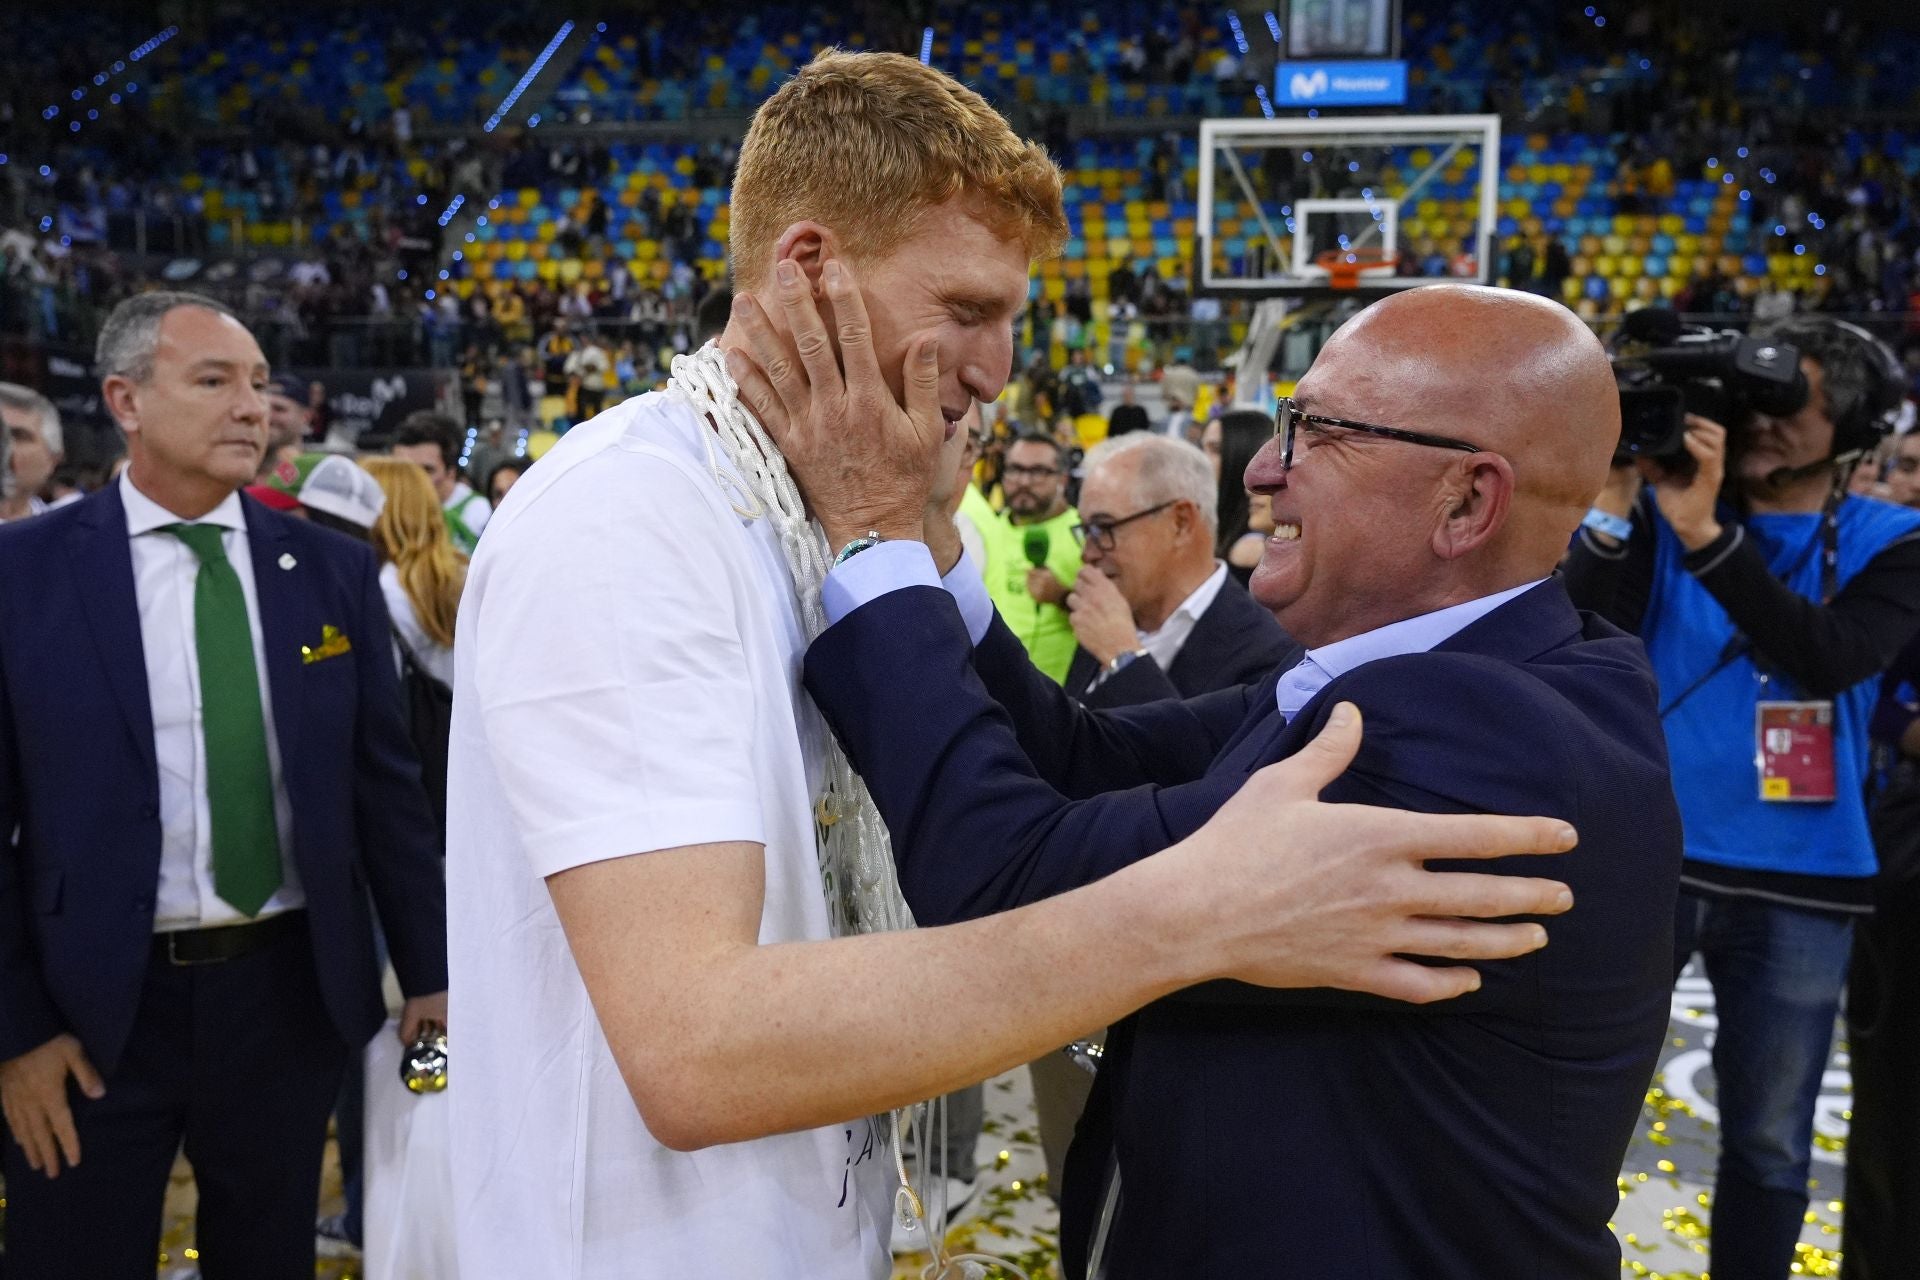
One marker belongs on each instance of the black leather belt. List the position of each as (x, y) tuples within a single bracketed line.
[(225, 942)]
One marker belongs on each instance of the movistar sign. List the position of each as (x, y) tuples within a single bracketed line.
[(1340, 84)]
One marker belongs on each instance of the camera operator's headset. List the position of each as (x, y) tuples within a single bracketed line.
[(1870, 421)]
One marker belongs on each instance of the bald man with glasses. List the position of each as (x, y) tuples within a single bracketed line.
[(1425, 480)]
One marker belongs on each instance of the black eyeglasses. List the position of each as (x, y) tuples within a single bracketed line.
[(1286, 418), (1100, 532)]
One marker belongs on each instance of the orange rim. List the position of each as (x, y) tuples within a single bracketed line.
[(1345, 267)]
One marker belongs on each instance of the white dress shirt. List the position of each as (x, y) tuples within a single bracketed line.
[(893, 565), (1409, 635), (1164, 645), (164, 573)]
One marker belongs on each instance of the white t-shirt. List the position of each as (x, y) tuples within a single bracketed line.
[(627, 680)]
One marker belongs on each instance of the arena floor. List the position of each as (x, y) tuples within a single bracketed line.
[(1663, 1221)]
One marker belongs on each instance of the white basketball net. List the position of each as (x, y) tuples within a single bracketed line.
[(856, 857)]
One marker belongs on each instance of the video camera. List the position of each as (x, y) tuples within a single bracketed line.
[(1667, 370)]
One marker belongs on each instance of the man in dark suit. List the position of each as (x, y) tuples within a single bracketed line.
[(204, 773), (1426, 479), (1156, 615)]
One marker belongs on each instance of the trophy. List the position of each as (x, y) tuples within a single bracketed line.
[(423, 1067)]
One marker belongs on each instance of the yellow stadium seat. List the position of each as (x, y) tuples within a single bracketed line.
[(1620, 287), (1631, 267), (1616, 245), (1671, 286), (1622, 224), (1604, 266), (1570, 288)]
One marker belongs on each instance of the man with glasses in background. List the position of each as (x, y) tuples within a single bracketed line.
[(1031, 553), (1425, 482)]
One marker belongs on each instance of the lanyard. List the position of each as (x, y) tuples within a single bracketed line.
[(1828, 540)]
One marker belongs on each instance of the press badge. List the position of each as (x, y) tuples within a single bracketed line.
[(1795, 750)]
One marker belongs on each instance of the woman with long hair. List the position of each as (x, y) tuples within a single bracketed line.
[(421, 574), (1246, 519)]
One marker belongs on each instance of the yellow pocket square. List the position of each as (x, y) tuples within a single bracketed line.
[(333, 643)]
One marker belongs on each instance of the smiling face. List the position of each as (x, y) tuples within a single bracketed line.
[(1354, 517), (197, 424), (1371, 530)]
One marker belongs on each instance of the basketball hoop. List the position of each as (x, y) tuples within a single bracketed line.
[(1346, 268)]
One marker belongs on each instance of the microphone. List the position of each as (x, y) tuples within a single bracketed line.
[(1037, 545), (1782, 476)]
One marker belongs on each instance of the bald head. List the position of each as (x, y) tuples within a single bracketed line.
[(1513, 372), (1374, 528)]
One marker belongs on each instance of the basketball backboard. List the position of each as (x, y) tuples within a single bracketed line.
[(1354, 203)]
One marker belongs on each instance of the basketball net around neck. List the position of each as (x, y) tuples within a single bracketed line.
[(857, 874), (856, 857)]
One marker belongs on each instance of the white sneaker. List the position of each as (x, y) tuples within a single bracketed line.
[(959, 1207)]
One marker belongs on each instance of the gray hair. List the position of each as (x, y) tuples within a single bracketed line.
[(131, 334), (27, 400), (1167, 470)]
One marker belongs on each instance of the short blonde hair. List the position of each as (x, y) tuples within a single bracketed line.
[(865, 143)]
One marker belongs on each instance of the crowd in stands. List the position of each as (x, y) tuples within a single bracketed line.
[(362, 216)]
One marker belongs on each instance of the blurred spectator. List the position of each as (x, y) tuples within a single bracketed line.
[(1032, 554), (1903, 471), (289, 422), (1127, 415), (35, 445), (433, 441), (420, 571), (502, 477), (589, 373), (1245, 519)]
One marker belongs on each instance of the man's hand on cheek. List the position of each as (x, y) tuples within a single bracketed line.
[(862, 460)]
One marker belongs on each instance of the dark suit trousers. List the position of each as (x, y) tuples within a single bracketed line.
[(1882, 1230), (239, 1062)]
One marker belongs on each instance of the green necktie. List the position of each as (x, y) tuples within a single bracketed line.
[(246, 840)]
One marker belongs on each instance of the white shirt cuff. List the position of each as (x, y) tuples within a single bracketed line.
[(875, 572), (894, 565), (969, 590)]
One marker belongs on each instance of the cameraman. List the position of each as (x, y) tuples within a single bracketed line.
[(1757, 579)]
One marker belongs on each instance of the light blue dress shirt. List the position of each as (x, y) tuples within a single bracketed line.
[(893, 565)]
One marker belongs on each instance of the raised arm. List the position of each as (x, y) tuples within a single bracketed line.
[(721, 1040)]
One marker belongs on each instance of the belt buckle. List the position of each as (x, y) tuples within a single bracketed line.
[(173, 954)]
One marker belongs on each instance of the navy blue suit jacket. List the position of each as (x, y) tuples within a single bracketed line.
[(1476, 1138), (80, 789), (1235, 641)]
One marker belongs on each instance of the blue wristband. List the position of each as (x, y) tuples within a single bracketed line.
[(1619, 528)]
